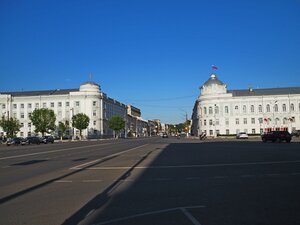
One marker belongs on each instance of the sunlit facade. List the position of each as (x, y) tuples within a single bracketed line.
[(219, 111), (88, 99)]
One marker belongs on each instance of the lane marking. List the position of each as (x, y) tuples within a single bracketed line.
[(53, 151), (63, 181), (190, 216), (149, 213), (193, 166), (79, 167)]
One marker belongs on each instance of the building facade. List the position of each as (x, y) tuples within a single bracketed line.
[(88, 99), (136, 125), (219, 111)]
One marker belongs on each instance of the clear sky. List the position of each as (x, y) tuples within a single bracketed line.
[(153, 54)]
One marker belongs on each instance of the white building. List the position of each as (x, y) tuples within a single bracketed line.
[(88, 99), (219, 111)]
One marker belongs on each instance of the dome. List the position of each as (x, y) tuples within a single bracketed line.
[(213, 86), (213, 80), (90, 87)]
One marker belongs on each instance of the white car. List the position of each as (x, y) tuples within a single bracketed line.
[(242, 135)]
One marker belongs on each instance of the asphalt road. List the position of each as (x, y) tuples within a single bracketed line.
[(151, 181)]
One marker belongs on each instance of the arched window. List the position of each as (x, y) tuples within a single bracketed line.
[(244, 109), (292, 107), (284, 107), (252, 108), (227, 111), (236, 108), (260, 108), (205, 111), (216, 109), (210, 111), (276, 108), (268, 108)]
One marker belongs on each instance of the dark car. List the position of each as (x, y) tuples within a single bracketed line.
[(277, 136), (48, 139), (16, 141), (33, 140), (296, 133), (165, 135)]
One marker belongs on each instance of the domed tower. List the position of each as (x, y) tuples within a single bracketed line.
[(90, 87), (213, 86)]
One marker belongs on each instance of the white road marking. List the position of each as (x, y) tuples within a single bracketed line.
[(103, 158), (63, 181), (192, 166), (190, 216), (53, 151), (148, 213)]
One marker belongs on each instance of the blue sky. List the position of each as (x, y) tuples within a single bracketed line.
[(153, 54)]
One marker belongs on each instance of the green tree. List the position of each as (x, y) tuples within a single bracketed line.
[(116, 123), (62, 127), (80, 121), (11, 126), (43, 120)]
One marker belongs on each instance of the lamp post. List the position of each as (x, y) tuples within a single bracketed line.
[(215, 133), (71, 120)]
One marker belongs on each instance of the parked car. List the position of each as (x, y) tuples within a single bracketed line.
[(296, 133), (48, 139), (33, 140), (242, 135), (16, 141), (277, 136), (165, 135)]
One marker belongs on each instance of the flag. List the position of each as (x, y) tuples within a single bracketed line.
[(214, 67), (90, 76)]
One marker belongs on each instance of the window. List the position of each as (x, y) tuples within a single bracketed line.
[(205, 111), (210, 132), (52, 104), (77, 103), (210, 122), (216, 110), (236, 108), (29, 115), (227, 121), (260, 108), (252, 108), (44, 104), (226, 109), (237, 121), (244, 109), (94, 113), (276, 108), (37, 105), (284, 107), (217, 122), (253, 131), (253, 120), (260, 120), (227, 131), (210, 111), (268, 108), (67, 104), (22, 106), (94, 103), (59, 104), (22, 134), (22, 124), (14, 106), (29, 124), (29, 105), (204, 122), (292, 107), (4, 106), (94, 122), (22, 116), (245, 120)]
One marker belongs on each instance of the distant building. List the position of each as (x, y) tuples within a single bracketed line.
[(136, 125), (88, 99), (219, 111)]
